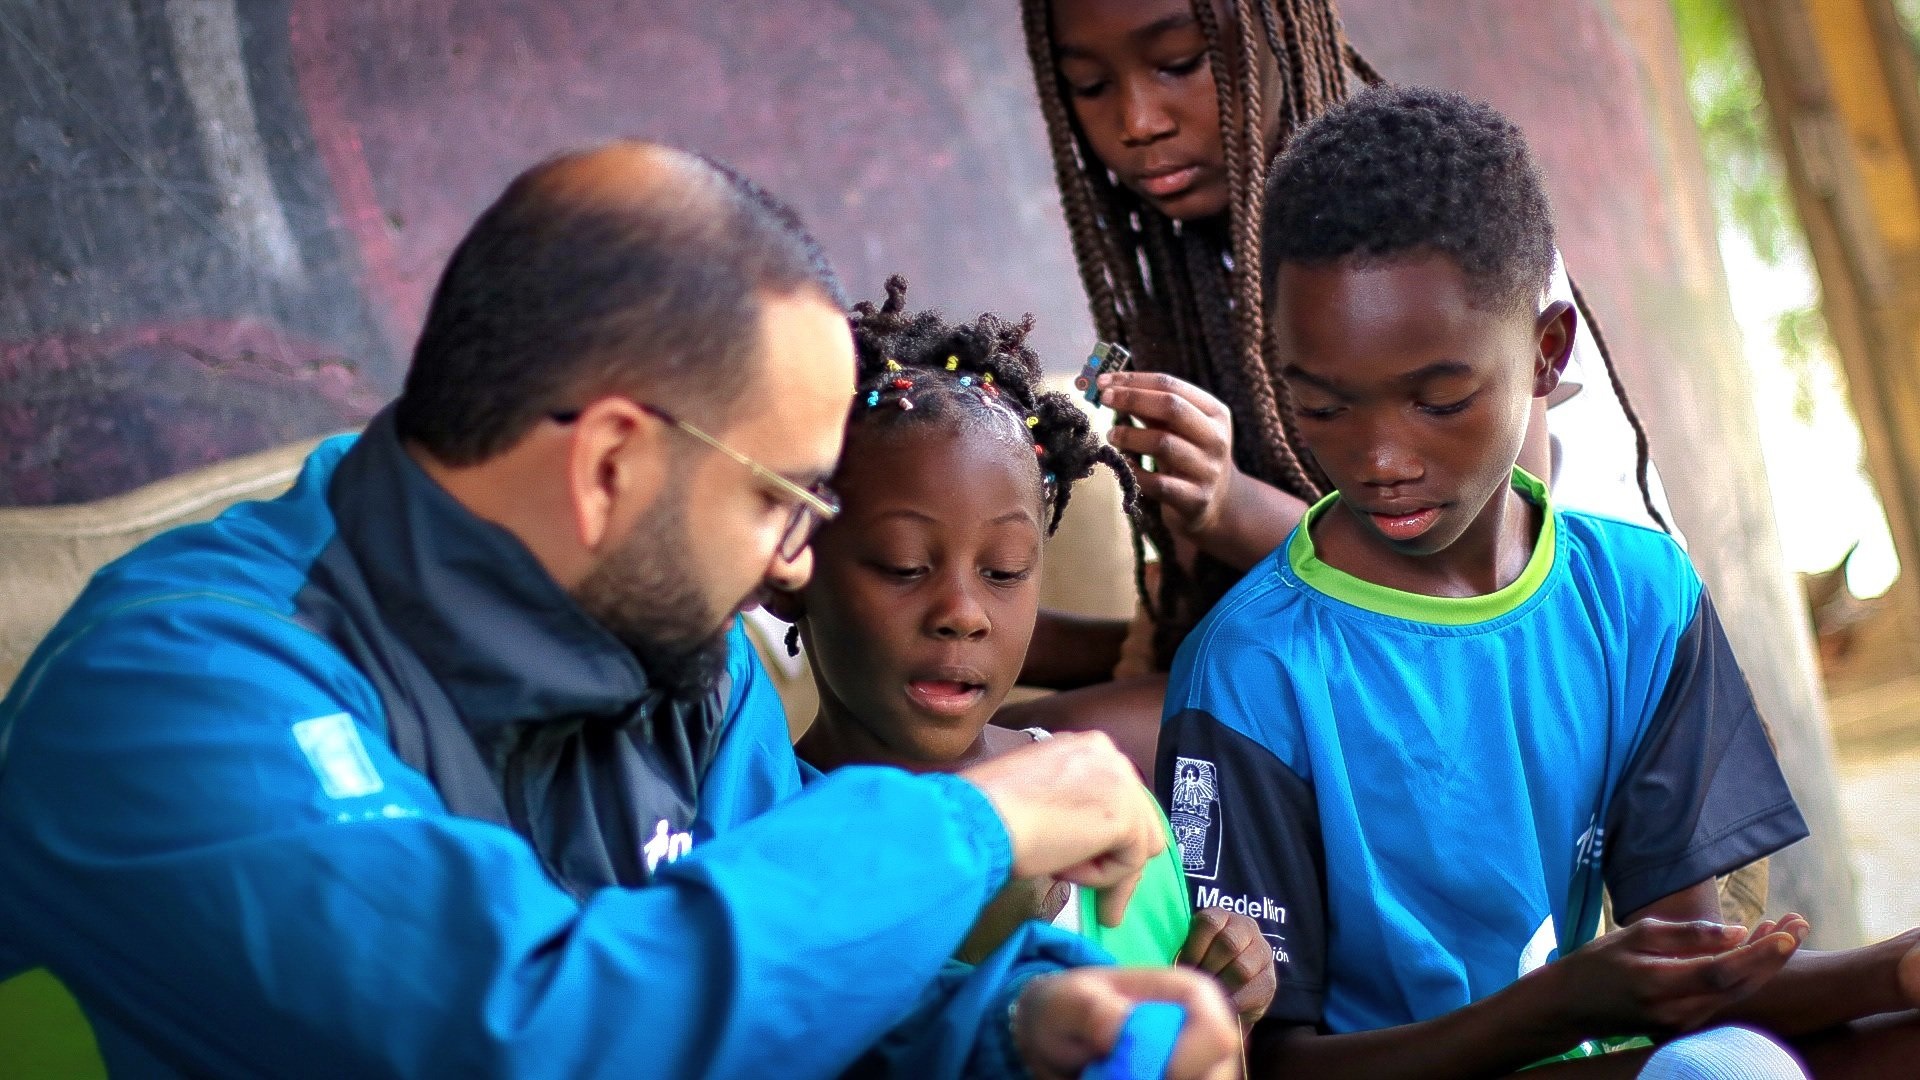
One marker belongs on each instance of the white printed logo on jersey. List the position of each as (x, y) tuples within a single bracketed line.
[(1196, 818), (666, 846), (333, 747), (1591, 845)]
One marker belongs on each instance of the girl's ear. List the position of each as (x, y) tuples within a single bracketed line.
[(1554, 332)]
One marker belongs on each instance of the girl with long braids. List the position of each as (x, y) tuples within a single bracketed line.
[(1163, 116)]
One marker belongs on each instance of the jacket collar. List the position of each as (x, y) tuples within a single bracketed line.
[(503, 639)]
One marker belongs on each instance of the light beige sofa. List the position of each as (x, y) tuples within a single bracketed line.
[(47, 554)]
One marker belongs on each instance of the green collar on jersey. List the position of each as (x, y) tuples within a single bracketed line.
[(1415, 607)]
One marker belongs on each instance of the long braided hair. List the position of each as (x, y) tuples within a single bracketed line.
[(1187, 298)]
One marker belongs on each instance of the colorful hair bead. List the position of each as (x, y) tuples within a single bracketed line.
[(905, 405), (903, 384), (966, 380), (873, 398), (892, 364), (1033, 421), (953, 363)]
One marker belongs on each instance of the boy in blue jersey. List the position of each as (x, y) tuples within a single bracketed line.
[(1421, 736)]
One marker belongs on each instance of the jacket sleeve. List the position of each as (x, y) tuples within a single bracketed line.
[(208, 839), (962, 1025)]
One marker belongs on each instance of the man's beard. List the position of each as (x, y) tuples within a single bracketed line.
[(644, 597)]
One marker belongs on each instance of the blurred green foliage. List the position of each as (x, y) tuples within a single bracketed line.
[(1744, 172)]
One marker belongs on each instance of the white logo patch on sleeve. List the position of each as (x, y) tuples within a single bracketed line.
[(1196, 817), (333, 747)]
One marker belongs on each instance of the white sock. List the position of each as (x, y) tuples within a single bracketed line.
[(1724, 1053)]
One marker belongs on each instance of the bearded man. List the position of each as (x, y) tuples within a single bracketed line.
[(452, 760)]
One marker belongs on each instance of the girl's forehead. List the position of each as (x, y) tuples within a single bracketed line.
[(1122, 17)]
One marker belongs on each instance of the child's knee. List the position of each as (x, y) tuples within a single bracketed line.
[(1725, 1053)]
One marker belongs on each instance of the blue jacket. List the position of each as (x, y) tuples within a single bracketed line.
[(228, 822)]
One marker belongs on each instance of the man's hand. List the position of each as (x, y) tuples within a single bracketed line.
[(1073, 809), (1189, 435), (1657, 977), (1065, 1022), (1230, 947)]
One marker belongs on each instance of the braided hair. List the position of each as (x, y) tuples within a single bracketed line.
[(1187, 298), (913, 367)]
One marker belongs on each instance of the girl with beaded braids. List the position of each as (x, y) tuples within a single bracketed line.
[(956, 468), (1163, 116)]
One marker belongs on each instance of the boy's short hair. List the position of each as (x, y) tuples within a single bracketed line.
[(1402, 170)]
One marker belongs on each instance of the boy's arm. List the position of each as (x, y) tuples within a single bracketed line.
[(1815, 990), (1653, 978), (1704, 794)]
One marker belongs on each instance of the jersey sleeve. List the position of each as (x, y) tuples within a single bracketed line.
[(1703, 793), (208, 839), (1249, 840)]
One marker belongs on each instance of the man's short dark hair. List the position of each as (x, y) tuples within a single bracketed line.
[(1405, 170), (564, 290)]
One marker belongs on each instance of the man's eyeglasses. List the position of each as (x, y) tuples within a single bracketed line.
[(812, 506)]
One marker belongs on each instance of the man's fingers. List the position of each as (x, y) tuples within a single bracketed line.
[(1209, 1047), (1113, 899), (1073, 808)]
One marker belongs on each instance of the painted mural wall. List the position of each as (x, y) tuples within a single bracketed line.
[(223, 218)]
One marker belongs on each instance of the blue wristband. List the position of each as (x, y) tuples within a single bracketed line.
[(1145, 1045)]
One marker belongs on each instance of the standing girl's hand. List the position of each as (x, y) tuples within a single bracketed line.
[(1189, 435), (1204, 498)]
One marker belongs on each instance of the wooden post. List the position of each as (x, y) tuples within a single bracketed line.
[(1840, 82)]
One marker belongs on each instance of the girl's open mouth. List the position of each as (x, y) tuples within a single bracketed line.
[(944, 696)]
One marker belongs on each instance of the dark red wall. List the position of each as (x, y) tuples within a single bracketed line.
[(178, 286)]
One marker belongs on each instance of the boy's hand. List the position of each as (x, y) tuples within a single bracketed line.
[(1656, 977), (1231, 948), (1065, 1022), (1189, 435), (1074, 809)]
